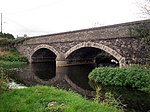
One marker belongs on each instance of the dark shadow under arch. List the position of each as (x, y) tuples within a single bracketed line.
[(91, 55), (43, 55), (116, 55)]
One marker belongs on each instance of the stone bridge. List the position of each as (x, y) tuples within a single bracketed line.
[(121, 41)]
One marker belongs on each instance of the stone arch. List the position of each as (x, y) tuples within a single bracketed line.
[(121, 59), (43, 46)]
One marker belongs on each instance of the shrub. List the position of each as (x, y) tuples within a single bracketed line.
[(132, 77), (6, 42)]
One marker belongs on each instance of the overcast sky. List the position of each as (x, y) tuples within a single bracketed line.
[(40, 17)]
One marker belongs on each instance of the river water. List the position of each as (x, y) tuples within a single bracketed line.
[(76, 78)]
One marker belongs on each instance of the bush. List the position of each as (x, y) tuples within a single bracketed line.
[(6, 35), (131, 77), (6, 42)]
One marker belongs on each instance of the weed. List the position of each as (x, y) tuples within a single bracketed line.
[(108, 99), (98, 94), (3, 81)]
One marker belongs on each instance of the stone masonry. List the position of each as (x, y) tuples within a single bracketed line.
[(117, 40)]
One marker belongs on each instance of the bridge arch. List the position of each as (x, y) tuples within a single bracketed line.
[(43, 46), (121, 59)]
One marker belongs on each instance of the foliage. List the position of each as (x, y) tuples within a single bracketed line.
[(19, 40), (48, 99), (147, 39), (14, 64), (145, 8), (98, 94), (6, 35), (108, 99), (3, 81), (132, 77), (111, 101), (12, 55), (142, 30), (6, 42)]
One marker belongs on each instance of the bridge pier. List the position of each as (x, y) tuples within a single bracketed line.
[(61, 61)]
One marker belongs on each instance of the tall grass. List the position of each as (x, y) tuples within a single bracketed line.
[(3, 81)]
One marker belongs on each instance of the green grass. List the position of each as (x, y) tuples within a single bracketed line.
[(11, 64), (12, 58), (36, 99), (12, 55)]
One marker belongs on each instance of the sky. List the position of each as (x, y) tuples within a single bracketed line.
[(41, 17)]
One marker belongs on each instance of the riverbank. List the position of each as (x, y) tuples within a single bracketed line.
[(11, 58), (48, 99)]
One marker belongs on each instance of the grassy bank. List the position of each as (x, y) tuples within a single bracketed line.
[(135, 77), (11, 54), (10, 57), (48, 99), (9, 64)]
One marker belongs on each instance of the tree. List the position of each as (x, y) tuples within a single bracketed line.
[(6, 35), (145, 8)]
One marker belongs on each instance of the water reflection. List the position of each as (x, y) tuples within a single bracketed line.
[(44, 71), (79, 75), (75, 77)]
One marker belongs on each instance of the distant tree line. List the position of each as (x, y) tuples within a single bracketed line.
[(6, 40), (6, 35)]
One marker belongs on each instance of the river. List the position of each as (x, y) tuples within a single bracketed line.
[(76, 78)]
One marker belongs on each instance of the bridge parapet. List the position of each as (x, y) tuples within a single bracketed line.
[(105, 32)]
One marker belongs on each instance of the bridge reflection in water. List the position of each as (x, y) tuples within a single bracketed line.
[(74, 77)]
